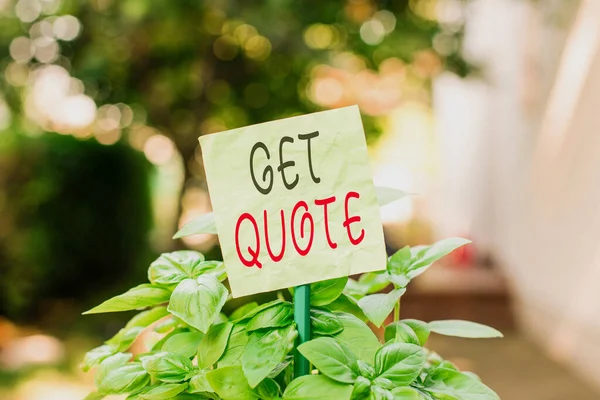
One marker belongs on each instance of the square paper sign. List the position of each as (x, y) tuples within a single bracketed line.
[(294, 201)]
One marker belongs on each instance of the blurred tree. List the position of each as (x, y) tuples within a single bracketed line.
[(196, 67)]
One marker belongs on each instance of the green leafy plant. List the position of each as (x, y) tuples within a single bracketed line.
[(201, 353)]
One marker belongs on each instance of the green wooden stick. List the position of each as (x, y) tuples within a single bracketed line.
[(302, 318)]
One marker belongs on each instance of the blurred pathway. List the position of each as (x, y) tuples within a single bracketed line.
[(514, 368)]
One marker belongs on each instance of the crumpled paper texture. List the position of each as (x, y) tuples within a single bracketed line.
[(340, 160)]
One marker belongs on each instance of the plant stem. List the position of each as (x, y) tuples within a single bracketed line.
[(397, 311)]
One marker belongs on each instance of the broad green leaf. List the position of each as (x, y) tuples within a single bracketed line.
[(400, 332), (399, 264), (425, 256), (265, 350), (259, 309), (184, 343), (387, 195), (243, 310), (162, 391), (407, 393), (401, 363), (97, 355), (374, 282), (235, 346), (199, 383), (202, 224), (420, 328), (317, 387), (323, 322), (213, 344), (366, 370), (172, 268), (377, 307), (362, 388), (379, 393), (349, 305), (126, 336), (214, 268), (168, 367), (357, 337), (268, 389), (465, 329), (158, 346), (169, 323), (383, 383), (230, 383), (331, 358), (129, 377), (198, 302), (325, 292), (145, 295), (449, 384), (281, 366), (278, 316), (109, 364)]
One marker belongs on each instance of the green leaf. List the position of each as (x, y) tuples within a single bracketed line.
[(202, 224), (168, 367), (449, 384), (198, 302), (401, 363), (230, 383), (317, 387), (331, 358), (420, 328), (377, 307), (278, 316), (145, 295), (265, 350), (398, 266), (400, 332), (259, 309), (109, 364), (374, 282), (465, 329), (199, 383), (268, 389), (379, 393), (235, 346), (184, 343), (407, 393), (387, 195), (362, 388), (172, 268), (281, 366), (325, 292), (349, 305), (357, 337), (424, 256), (243, 310), (94, 396), (162, 391), (366, 370), (97, 355), (213, 344), (126, 336), (324, 323), (129, 377)]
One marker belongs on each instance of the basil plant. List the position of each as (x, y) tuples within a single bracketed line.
[(198, 352)]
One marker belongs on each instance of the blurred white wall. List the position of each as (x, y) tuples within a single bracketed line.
[(521, 164)]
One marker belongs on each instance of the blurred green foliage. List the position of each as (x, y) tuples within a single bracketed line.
[(74, 221)]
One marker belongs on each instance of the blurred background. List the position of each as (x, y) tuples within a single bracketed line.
[(486, 109)]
